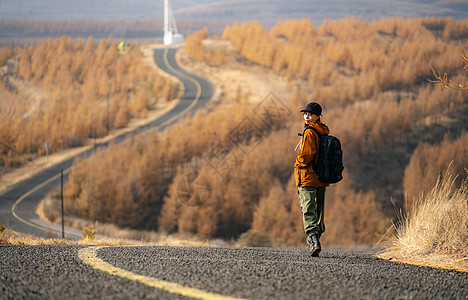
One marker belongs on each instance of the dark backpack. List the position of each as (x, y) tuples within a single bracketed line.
[(329, 166)]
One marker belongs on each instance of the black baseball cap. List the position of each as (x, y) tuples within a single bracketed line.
[(313, 108)]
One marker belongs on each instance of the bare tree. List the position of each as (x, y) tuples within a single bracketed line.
[(443, 81)]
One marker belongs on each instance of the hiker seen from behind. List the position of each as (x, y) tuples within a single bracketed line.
[(311, 190)]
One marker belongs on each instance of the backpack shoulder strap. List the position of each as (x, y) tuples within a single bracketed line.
[(319, 135), (314, 162), (315, 130)]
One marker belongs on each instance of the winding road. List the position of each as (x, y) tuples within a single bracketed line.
[(161, 272), (18, 204)]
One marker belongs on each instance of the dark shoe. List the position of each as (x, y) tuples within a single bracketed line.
[(314, 244)]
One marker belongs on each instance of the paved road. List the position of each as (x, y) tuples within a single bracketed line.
[(18, 205), (83, 272)]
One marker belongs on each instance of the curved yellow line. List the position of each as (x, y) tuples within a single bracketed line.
[(89, 256), (17, 202), (195, 100)]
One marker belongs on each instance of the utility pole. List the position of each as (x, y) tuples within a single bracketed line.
[(107, 115), (94, 139), (61, 200)]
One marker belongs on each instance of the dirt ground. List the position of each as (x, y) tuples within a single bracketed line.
[(252, 79)]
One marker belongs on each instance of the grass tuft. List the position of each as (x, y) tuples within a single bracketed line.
[(11, 237), (435, 230)]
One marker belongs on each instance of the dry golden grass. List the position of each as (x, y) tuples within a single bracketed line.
[(11, 237), (435, 231)]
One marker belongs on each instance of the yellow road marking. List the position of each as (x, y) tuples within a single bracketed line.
[(195, 100), (17, 202), (89, 256)]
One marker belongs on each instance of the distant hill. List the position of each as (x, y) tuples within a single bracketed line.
[(267, 12)]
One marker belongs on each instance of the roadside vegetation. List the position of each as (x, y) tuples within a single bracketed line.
[(435, 231), (90, 237), (428, 165), (398, 130), (67, 92), (10, 237)]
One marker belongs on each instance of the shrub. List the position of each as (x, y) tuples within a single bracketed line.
[(89, 233), (253, 238), (437, 227)]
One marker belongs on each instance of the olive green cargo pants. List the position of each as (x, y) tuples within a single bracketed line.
[(312, 200)]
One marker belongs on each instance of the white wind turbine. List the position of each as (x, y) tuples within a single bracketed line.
[(171, 34)]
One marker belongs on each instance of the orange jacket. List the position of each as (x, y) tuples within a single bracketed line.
[(303, 170)]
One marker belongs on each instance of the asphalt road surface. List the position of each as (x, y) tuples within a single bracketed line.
[(18, 205), (97, 272)]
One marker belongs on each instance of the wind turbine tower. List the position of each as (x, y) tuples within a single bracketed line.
[(171, 34)]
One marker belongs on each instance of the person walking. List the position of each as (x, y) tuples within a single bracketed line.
[(311, 190)]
